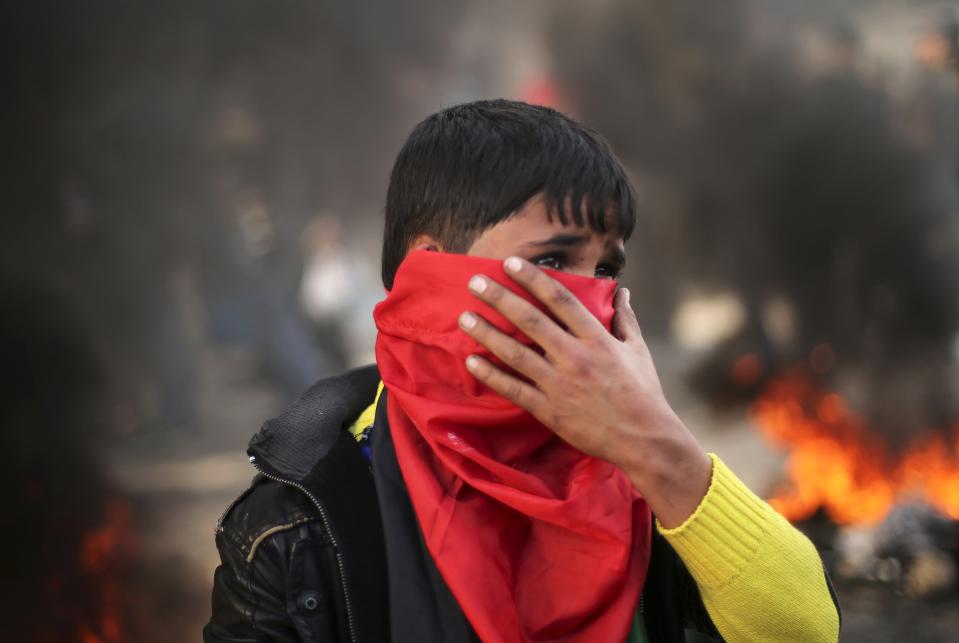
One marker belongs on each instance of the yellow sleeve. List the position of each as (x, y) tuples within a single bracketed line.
[(759, 577)]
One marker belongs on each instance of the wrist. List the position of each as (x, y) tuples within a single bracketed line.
[(671, 471)]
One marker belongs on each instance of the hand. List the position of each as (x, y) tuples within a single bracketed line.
[(597, 391)]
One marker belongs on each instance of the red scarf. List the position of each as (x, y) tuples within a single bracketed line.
[(537, 541)]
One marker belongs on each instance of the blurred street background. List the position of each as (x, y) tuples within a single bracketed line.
[(192, 197)]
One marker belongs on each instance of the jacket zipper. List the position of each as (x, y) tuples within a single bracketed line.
[(329, 530)]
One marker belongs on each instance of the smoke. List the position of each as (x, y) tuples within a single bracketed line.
[(75, 570), (776, 161), (51, 417), (159, 163), (158, 153)]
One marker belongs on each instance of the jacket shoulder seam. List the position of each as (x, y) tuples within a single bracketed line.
[(287, 514), (229, 509), (262, 537)]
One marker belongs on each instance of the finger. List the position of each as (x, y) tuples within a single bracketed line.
[(567, 308), (514, 354), (625, 325), (524, 315), (520, 393)]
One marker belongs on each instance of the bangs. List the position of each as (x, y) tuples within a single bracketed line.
[(592, 199), (581, 178), (472, 166)]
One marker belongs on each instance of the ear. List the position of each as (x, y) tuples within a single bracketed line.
[(425, 242)]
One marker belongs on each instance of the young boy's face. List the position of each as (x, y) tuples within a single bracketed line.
[(530, 234)]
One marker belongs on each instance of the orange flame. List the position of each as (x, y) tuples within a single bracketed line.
[(104, 554), (834, 462)]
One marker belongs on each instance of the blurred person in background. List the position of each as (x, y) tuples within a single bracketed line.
[(336, 290), (509, 469), (245, 283)]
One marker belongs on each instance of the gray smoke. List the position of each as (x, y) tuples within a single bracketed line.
[(762, 176)]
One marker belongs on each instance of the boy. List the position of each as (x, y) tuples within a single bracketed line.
[(496, 474)]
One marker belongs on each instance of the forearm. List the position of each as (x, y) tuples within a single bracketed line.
[(668, 467), (759, 577)]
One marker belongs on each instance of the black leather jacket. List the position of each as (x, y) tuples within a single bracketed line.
[(302, 550)]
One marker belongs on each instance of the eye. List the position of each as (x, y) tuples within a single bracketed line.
[(553, 261), (608, 271)]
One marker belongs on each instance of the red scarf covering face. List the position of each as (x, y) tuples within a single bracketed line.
[(537, 541)]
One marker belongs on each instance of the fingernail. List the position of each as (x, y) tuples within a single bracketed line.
[(626, 295), (472, 362), (477, 284), (513, 264), (467, 320)]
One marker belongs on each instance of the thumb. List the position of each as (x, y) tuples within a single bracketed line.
[(625, 324)]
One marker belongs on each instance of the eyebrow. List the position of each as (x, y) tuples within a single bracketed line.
[(561, 239)]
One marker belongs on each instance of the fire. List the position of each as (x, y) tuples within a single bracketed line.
[(836, 464), (104, 556)]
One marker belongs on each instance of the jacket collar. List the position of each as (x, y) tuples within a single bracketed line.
[(290, 445)]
